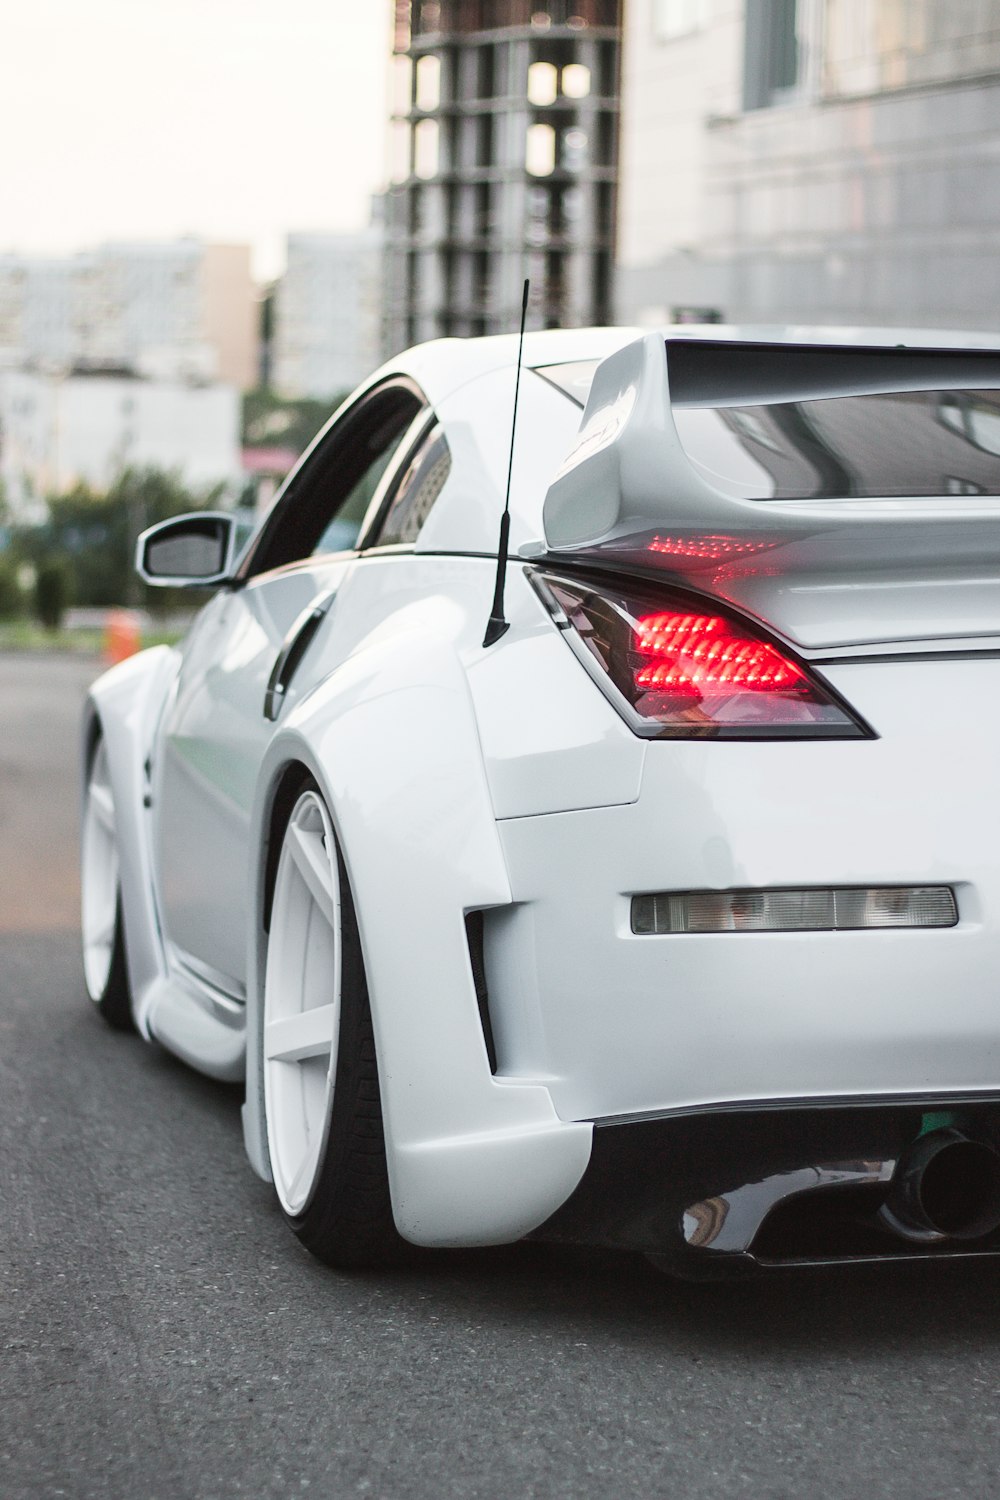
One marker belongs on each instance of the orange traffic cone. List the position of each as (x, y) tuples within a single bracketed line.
[(122, 635)]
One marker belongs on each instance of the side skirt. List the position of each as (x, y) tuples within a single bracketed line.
[(198, 1021)]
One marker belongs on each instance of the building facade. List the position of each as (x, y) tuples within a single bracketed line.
[(327, 309), (57, 431), (177, 310), (504, 148), (815, 161)]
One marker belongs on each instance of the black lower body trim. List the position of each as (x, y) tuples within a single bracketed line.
[(717, 1192)]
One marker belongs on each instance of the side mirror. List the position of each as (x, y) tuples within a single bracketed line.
[(190, 552)]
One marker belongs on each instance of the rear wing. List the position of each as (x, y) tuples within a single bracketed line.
[(650, 452)]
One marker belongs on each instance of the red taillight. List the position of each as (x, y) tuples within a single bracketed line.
[(682, 671), (693, 657)]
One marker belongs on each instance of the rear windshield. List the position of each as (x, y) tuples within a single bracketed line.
[(908, 443), (573, 379), (905, 443)]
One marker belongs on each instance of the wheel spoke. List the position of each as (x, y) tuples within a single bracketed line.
[(309, 1034), (101, 935), (305, 1165), (313, 864), (103, 806)]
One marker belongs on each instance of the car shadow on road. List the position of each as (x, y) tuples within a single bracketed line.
[(851, 1310)]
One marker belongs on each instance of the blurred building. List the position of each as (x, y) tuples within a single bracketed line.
[(180, 310), (37, 299), (326, 330), (58, 430), (811, 161), (504, 154)]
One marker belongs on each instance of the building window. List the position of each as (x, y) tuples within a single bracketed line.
[(540, 152), (428, 89), (770, 52), (574, 150), (543, 83), (426, 139), (674, 18), (399, 151), (400, 85), (576, 81)]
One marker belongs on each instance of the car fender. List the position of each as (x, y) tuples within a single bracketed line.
[(124, 705), (390, 737)]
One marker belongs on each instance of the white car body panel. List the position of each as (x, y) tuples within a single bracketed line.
[(212, 739), (640, 1024), (391, 739), (502, 781)]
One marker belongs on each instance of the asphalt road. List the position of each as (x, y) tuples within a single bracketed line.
[(164, 1336)]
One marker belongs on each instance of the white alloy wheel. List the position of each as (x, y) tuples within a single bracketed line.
[(104, 966), (321, 1091), (302, 990)]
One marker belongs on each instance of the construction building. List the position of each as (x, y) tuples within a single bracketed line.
[(504, 151)]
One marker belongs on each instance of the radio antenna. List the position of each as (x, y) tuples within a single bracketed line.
[(497, 625)]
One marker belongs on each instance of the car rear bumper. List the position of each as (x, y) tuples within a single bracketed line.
[(620, 1024)]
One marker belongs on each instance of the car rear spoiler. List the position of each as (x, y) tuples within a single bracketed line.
[(827, 571), (629, 470)]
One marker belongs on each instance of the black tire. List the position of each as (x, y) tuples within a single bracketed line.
[(115, 1004), (347, 1221)]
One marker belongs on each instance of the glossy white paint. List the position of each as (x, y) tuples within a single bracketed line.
[(391, 739), (825, 574), (632, 1024), (124, 704), (210, 743), (99, 874), (467, 517), (459, 779)]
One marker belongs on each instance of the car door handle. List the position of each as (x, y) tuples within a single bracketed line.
[(293, 649)]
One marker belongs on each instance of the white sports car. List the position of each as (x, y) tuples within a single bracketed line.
[(665, 913)]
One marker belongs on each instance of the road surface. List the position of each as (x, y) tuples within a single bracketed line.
[(164, 1336)]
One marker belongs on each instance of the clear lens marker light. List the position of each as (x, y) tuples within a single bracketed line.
[(812, 910)]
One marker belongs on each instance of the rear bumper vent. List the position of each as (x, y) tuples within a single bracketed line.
[(813, 909)]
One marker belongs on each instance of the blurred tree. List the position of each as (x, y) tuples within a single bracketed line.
[(94, 536), (273, 421), (52, 593), (11, 593)]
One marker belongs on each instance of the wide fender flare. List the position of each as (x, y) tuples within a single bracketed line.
[(391, 739), (124, 706)]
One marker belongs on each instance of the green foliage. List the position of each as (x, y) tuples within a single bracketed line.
[(272, 421), (11, 595), (93, 536), (52, 593)]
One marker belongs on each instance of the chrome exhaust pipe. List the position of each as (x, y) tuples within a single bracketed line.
[(945, 1187)]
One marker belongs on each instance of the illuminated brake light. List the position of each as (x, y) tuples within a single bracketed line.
[(696, 656), (676, 671)]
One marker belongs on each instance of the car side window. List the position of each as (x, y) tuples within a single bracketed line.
[(341, 532), (324, 505), (421, 483)]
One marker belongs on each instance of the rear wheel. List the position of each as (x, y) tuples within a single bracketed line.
[(104, 965), (321, 1092)]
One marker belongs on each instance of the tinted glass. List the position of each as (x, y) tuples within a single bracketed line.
[(908, 443), (341, 532), (418, 489), (574, 379)]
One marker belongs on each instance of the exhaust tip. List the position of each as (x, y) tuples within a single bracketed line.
[(946, 1187)]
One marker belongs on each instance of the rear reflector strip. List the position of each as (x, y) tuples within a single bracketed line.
[(812, 910)]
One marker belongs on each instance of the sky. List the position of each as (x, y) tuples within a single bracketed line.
[(232, 120)]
